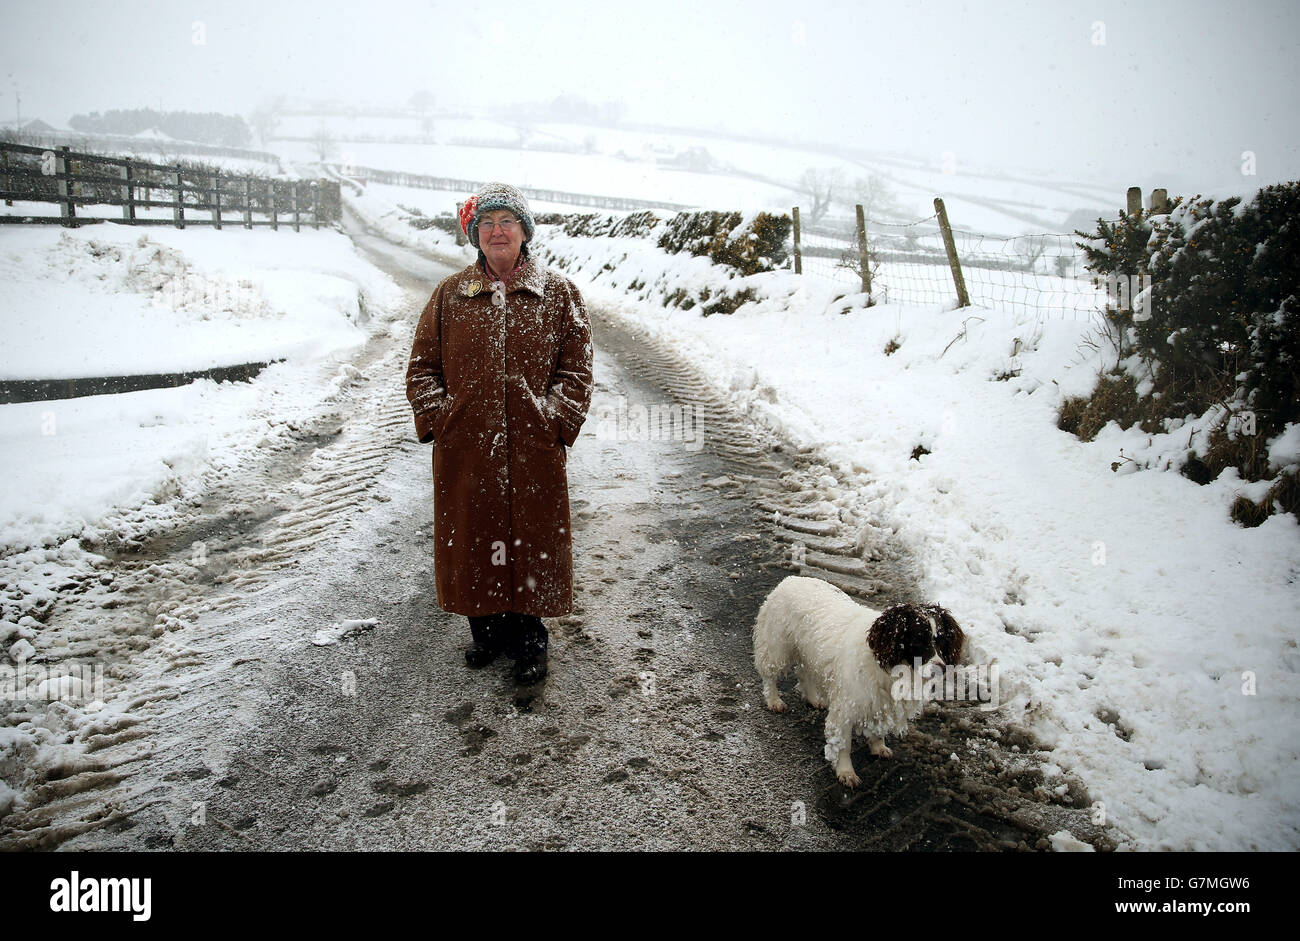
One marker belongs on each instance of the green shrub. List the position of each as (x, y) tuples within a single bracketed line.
[(760, 246), (697, 232), (595, 225), (1222, 326), (1118, 248)]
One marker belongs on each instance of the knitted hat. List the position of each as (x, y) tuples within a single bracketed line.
[(495, 196)]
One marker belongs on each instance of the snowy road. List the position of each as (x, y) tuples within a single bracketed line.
[(649, 732)]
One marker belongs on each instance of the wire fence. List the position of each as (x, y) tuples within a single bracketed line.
[(1042, 276)]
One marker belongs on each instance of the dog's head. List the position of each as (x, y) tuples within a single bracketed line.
[(908, 632)]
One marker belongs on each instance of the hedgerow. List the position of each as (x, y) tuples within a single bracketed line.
[(1218, 334)]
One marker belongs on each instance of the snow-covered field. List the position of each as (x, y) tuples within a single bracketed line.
[(1142, 636), (746, 175), (110, 300)]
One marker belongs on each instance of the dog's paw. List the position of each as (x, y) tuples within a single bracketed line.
[(818, 703), (776, 705), (880, 749), (849, 778)]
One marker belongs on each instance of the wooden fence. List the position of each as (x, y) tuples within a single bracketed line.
[(188, 195)]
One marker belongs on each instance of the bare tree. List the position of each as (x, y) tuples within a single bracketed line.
[(322, 141), (422, 101), (264, 122), (820, 186), (876, 196), (1034, 246), (851, 260)]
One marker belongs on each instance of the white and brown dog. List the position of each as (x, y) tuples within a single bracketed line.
[(843, 654)]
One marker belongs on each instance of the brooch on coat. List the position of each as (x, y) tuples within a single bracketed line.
[(475, 287)]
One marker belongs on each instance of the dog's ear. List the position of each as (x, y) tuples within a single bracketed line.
[(948, 636), (900, 634)]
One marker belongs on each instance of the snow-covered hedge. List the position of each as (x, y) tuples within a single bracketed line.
[(1215, 343)]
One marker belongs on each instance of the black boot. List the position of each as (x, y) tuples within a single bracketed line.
[(487, 642), (530, 670), (479, 655), (529, 649)]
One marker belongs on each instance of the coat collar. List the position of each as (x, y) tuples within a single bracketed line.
[(532, 277)]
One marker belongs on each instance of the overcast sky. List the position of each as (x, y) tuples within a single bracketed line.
[(1147, 91)]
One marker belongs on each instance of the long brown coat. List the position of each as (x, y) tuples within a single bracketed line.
[(501, 391)]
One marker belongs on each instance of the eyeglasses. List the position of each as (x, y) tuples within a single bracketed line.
[(505, 225)]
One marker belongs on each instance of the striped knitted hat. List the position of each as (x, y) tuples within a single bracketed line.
[(495, 196)]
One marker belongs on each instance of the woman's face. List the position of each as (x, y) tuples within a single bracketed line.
[(500, 243)]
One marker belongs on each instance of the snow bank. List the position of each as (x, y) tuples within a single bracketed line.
[(1146, 640), (111, 300)]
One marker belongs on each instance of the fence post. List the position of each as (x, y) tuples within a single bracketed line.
[(179, 210), (1134, 200), (67, 208), (248, 202), (216, 199), (798, 249), (275, 222), (963, 299), (460, 233), (863, 260), (9, 180), (315, 210), (128, 192), (293, 196)]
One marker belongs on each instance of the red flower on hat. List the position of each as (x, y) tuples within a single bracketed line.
[(467, 214)]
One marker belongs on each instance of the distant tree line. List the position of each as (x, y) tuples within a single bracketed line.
[(569, 108), (224, 130)]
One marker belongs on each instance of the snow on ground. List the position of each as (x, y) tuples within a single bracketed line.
[(384, 215), (596, 174), (98, 471), (1141, 635), (111, 300)]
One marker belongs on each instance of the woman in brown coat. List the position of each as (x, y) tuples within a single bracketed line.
[(500, 381)]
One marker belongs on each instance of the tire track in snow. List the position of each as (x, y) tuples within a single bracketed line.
[(782, 483), (195, 631), (969, 783)]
